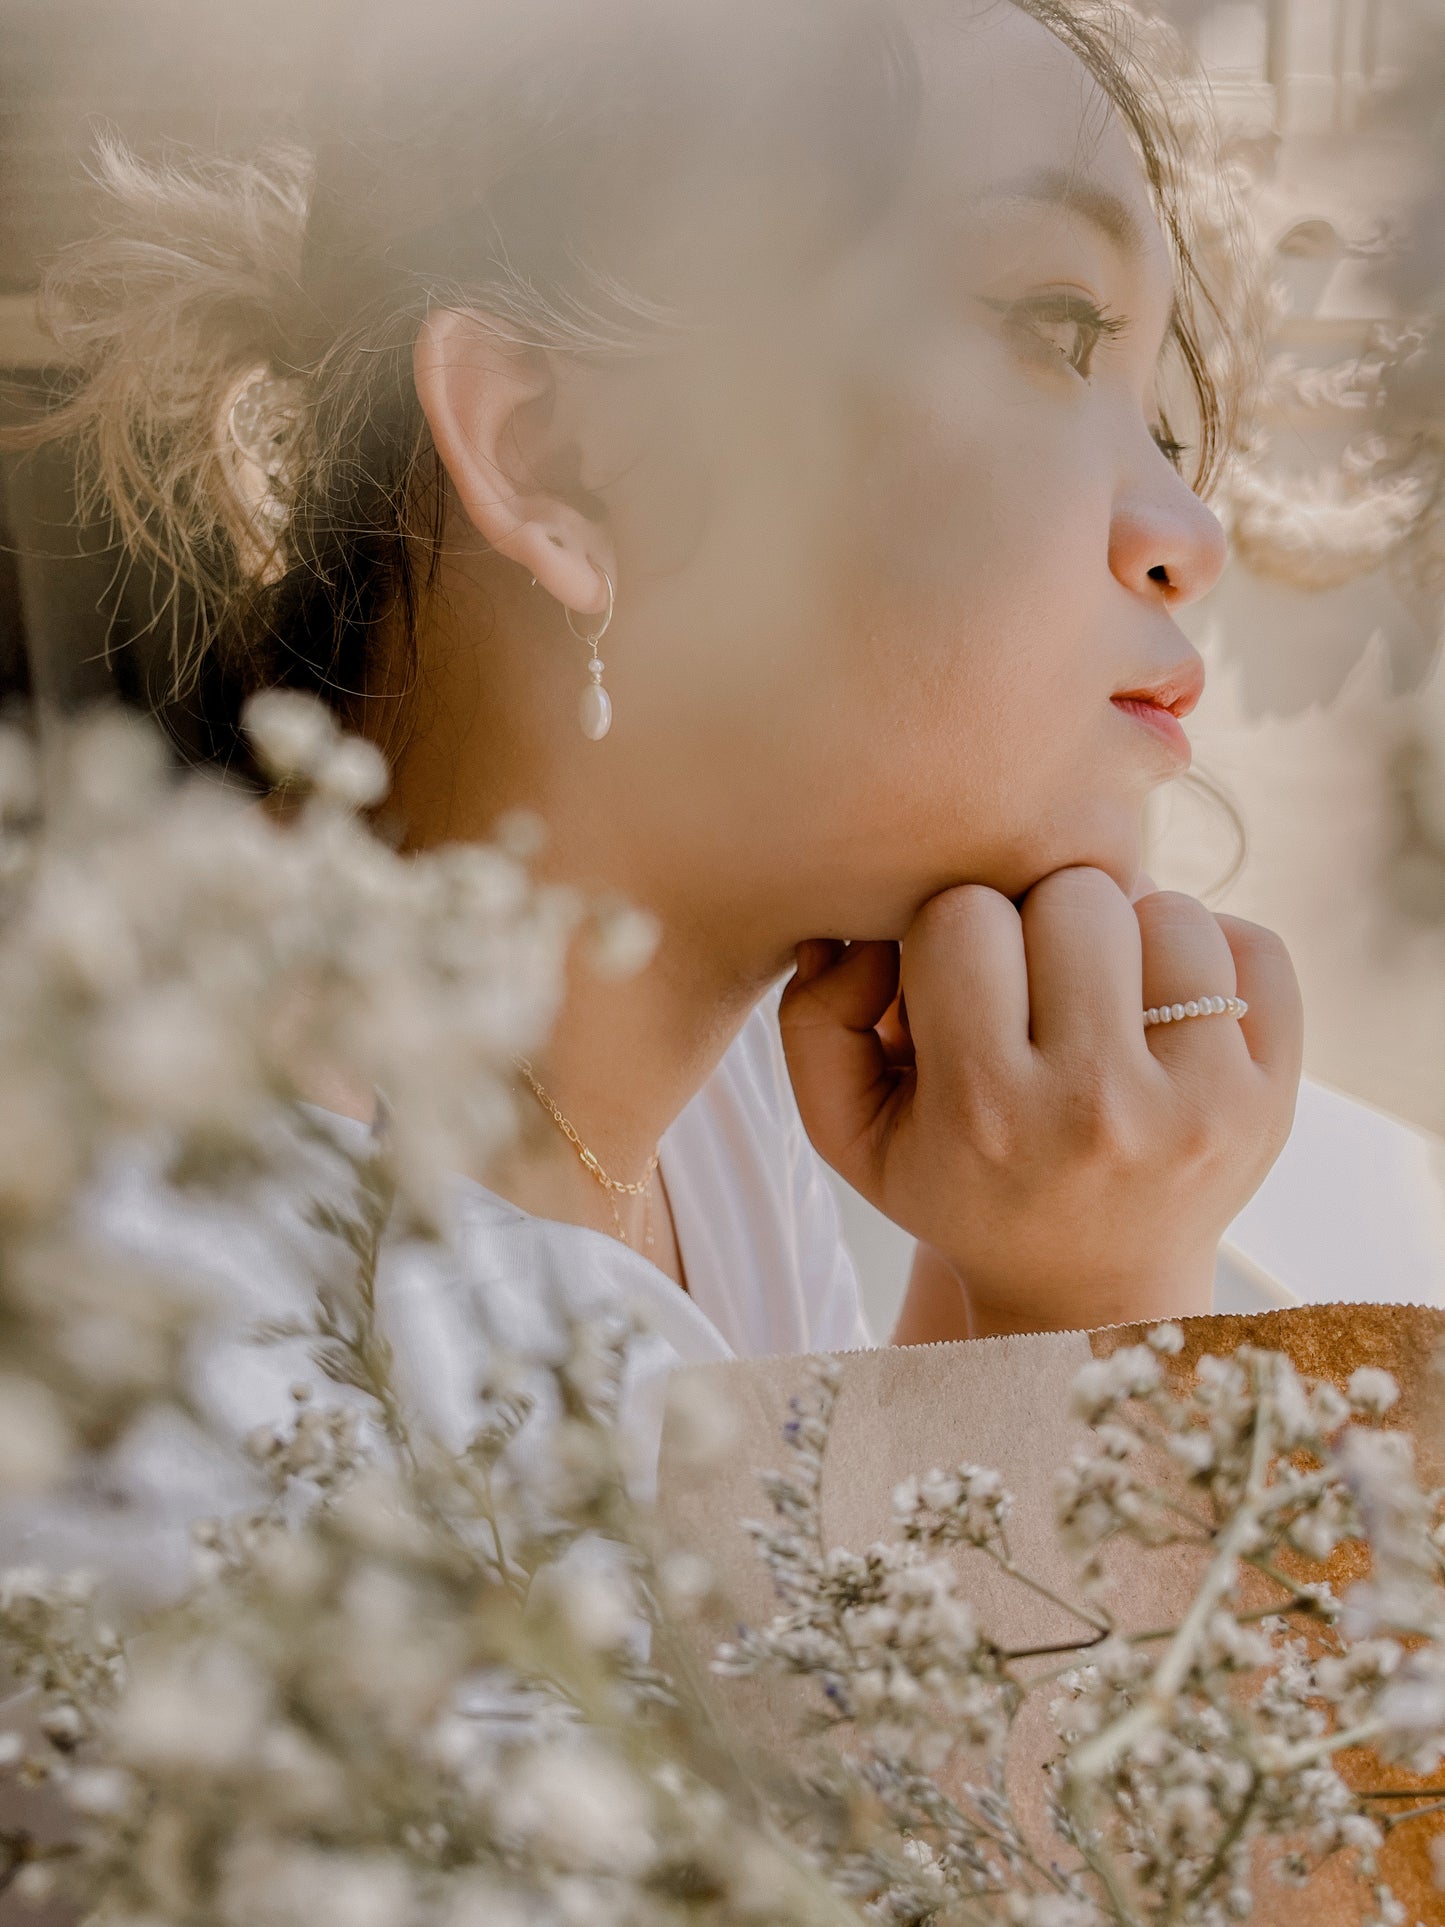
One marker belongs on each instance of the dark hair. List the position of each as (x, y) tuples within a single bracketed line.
[(540, 170)]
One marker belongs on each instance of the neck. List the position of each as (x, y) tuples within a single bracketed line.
[(623, 1057), (621, 1062)]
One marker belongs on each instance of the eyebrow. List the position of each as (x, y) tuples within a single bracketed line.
[(1108, 211), (1055, 186)]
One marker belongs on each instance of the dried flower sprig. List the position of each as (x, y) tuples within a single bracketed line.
[(1182, 1748), (409, 1680)]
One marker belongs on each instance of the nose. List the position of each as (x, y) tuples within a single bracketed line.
[(1164, 542)]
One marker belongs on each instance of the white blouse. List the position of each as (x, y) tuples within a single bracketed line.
[(757, 1225)]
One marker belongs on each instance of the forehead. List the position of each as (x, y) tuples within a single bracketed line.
[(1006, 102)]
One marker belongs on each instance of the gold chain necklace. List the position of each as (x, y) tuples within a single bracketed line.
[(639, 1187)]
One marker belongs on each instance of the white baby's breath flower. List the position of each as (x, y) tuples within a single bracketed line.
[(907, 1495), (199, 1708), (940, 1489), (99, 1790), (623, 939), (1317, 1534), (36, 1441), (580, 1804), (292, 733), (63, 1725), (34, 1885), (1412, 1706), (77, 929), (42, 1149), (1106, 1382), (1329, 1408), (686, 1579), (1372, 1391), (1054, 1910), (275, 1884), (596, 1604), (478, 1900), (167, 1057), (353, 773), (303, 1780), (115, 767), (1196, 1450)]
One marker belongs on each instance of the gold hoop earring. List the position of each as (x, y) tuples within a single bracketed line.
[(596, 704)]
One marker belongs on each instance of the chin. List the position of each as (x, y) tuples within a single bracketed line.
[(1117, 849)]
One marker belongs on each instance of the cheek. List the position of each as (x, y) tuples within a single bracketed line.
[(978, 545)]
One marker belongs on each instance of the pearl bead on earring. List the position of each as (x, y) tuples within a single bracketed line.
[(596, 705)]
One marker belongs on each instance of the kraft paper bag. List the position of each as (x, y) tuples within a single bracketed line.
[(1005, 1403)]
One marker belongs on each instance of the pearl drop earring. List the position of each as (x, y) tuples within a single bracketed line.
[(596, 704)]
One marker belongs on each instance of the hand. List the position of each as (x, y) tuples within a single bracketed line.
[(990, 1086)]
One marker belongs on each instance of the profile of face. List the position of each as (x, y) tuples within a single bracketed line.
[(886, 553)]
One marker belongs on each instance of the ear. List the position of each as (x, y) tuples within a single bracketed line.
[(487, 402)]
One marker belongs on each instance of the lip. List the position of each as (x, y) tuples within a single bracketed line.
[(1178, 690), (1162, 704), (1163, 722)]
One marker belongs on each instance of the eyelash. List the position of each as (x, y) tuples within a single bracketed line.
[(1099, 324)]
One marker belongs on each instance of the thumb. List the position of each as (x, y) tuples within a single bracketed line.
[(836, 1059)]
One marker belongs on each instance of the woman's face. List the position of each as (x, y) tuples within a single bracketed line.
[(939, 535)]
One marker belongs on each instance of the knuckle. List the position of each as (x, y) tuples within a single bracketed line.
[(1080, 884), (1102, 1122), (1172, 910), (1198, 1137), (1246, 932), (800, 1008), (1258, 942), (960, 907), (990, 1128)]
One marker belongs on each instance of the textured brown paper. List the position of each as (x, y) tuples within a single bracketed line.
[(1004, 1402)]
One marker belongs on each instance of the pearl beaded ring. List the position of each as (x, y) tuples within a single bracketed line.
[(1196, 1007)]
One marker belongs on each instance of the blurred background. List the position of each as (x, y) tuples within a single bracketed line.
[(1320, 745)]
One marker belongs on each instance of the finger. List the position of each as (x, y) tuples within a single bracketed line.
[(1144, 885), (1186, 958), (1274, 1025), (836, 1059), (1083, 946), (965, 978), (894, 1032), (814, 955)]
